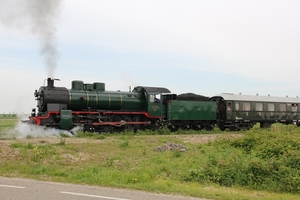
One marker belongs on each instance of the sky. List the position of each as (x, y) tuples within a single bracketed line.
[(203, 47)]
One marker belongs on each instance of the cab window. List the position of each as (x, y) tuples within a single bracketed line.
[(154, 98)]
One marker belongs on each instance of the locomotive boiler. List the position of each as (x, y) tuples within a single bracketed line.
[(85, 97)]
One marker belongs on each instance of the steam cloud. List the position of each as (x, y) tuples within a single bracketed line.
[(24, 130), (39, 17)]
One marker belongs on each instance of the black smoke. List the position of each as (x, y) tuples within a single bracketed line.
[(40, 18)]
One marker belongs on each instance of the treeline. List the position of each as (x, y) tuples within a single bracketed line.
[(8, 115)]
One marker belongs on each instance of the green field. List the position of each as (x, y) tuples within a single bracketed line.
[(5, 125), (257, 164)]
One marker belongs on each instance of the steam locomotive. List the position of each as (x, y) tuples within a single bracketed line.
[(90, 106)]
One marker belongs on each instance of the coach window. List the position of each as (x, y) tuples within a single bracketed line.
[(271, 107), (259, 107), (282, 107), (237, 105), (294, 107), (246, 106), (229, 106)]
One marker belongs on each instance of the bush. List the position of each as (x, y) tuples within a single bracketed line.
[(261, 160)]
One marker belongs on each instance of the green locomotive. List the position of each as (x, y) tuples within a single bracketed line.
[(92, 107)]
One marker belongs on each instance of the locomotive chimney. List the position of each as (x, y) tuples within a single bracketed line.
[(50, 82)]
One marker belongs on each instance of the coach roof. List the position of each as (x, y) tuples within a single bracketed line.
[(240, 97)]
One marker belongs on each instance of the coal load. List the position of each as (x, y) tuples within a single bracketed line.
[(192, 97)]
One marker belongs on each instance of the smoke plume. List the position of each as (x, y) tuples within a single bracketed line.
[(38, 17)]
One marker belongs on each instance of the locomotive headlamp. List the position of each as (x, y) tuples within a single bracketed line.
[(33, 112), (36, 93)]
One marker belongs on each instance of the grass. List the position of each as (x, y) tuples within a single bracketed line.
[(131, 161), (6, 124)]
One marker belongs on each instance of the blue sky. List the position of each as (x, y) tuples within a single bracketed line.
[(204, 47)]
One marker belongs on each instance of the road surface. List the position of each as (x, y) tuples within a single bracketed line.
[(23, 189)]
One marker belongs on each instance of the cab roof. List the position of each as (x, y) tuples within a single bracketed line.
[(151, 89)]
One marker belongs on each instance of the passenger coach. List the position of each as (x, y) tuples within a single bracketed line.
[(243, 111)]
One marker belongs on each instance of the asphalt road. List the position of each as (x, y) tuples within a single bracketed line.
[(23, 189)]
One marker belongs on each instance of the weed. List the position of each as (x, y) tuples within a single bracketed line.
[(144, 152), (109, 162), (64, 135), (100, 137), (124, 144), (62, 141), (16, 145), (177, 153), (38, 154), (29, 145)]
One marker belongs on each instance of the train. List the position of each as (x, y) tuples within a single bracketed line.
[(91, 107)]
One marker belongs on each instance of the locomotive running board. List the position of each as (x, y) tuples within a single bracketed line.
[(121, 123)]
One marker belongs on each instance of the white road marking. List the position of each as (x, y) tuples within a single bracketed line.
[(12, 186), (95, 196)]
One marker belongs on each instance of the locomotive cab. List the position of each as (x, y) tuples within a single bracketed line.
[(154, 104), (154, 100)]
